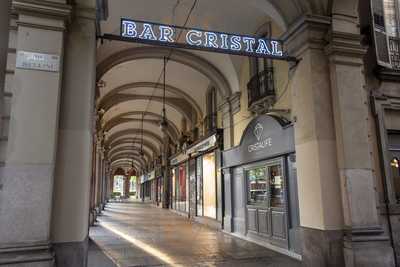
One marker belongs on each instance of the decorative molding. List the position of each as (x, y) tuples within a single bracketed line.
[(345, 48), (307, 32), (44, 8)]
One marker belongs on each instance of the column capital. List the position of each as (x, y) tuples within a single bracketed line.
[(345, 48), (59, 12), (308, 32)]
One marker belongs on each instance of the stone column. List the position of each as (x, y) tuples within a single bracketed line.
[(27, 178), (5, 10), (365, 242), (98, 175), (228, 108), (71, 198), (320, 206)]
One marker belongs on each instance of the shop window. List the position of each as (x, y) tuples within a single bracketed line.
[(394, 165), (209, 186), (181, 189), (276, 186), (199, 186), (265, 186), (257, 186)]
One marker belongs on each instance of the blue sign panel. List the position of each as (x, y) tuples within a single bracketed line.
[(189, 38)]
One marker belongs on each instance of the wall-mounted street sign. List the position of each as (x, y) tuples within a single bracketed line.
[(37, 61), (189, 38)]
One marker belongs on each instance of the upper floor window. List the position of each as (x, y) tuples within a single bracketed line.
[(385, 17), (211, 119)]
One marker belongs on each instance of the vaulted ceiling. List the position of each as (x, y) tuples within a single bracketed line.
[(130, 74)]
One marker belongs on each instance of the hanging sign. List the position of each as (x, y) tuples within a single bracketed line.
[(189, 38)]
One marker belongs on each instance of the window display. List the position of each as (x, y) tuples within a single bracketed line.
[(257, 186), (209, 186)]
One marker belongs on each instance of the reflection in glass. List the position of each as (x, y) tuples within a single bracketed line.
[(257, 186), (276, 185)]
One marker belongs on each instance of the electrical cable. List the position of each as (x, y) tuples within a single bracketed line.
[(167, 58)]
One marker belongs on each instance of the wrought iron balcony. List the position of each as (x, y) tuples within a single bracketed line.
[(261, 90), (394, 50)]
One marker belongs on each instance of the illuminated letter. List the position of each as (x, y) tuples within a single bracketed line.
[(224, 43), (147, 33), (189, 37), (211, 39), (129, 29), (276, 51), (262, 47), (166, 34), (249, 44), (235, 43)]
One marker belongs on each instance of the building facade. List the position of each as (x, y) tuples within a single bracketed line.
[(300, 156)]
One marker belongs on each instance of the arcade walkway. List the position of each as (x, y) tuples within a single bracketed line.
[(137, 234)]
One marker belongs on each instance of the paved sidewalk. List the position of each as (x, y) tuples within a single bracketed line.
[(137, 234)]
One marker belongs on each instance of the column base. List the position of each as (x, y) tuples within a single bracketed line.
[(322, 248), (71, 253), (368, 248), (228, 224), (27, 254)]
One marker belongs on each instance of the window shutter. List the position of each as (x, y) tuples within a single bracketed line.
[(380, 35)]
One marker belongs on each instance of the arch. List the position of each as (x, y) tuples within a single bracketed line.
[(130, 141), (130, 160), (168, 88), (176, 103), (183, 57), (172, 133), (129, 155), (128, 147), (115, 120), (135, 151), (118, 171), (126, 164), (137, 133)]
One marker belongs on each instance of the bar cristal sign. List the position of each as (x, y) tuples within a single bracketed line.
[(220, 42)]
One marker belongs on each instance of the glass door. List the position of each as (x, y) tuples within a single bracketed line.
[(266, 214)]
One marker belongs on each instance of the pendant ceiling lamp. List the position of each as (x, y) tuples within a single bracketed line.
[(141, 144), (164, 123)]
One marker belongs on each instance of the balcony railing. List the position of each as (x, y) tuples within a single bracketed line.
[(261, 86), (394, 50)]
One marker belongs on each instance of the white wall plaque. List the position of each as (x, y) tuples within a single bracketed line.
[(38, 61)]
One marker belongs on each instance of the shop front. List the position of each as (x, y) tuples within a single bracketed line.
[(147, 186), (260, 183), (196, 184)]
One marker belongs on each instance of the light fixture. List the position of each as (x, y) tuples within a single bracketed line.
[(164, 122), (141, 143)]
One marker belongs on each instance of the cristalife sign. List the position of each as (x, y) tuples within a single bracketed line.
[(189, 38)]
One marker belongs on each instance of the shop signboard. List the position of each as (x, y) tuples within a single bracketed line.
[(203, 145), (190, 38), (265, 137)]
